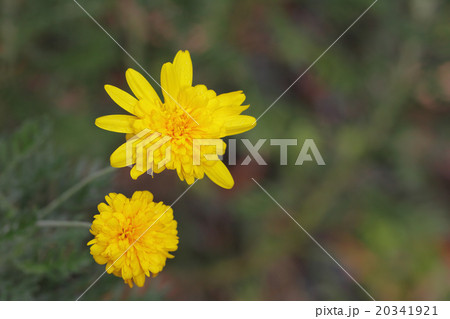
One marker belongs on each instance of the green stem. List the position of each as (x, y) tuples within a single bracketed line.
[(62, 223), (71, 191)]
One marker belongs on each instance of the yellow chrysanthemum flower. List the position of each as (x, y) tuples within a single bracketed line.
[(188, 114), (133, 236)]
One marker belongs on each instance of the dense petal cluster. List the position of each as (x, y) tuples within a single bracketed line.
[(133, 236), (188, 113)]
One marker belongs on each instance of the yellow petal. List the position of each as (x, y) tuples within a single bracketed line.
[(119, 157), (139, 280), (238, 124), (122, 98), (145, 107), (140, 86), (183, 68), (91, 242), (231, 98), (219, 174), (169, 83), (230, 104), (142, 196), (126, 272), (116, 123), (190, 179), (229, 110), (102, 207), (100, 259), (135, 173)]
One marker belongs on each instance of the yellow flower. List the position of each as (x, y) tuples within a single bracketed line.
[(133, 236), (188, 114)]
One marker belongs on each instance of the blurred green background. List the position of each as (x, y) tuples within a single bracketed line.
[(376, 105)]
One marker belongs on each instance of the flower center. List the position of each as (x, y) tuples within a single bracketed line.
[(179, 125), (127, 232)]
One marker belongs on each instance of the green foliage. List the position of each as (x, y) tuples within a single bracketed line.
[(33, 173)]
